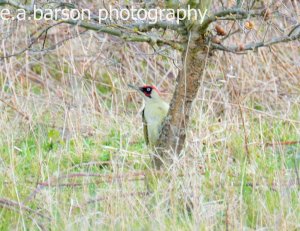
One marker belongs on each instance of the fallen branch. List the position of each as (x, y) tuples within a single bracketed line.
[(282, 143), (18, 206)]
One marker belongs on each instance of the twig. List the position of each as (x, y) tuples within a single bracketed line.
[(254, 46), (31, 43), (58, 44)]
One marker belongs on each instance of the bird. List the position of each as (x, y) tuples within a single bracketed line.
[(153, 114)]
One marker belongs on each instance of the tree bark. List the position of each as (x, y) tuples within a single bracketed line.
[(173, 134), (194, 59)]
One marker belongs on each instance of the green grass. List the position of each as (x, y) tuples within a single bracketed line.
[(257, 190)]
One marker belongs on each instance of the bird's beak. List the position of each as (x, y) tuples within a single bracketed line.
[(138, 89)]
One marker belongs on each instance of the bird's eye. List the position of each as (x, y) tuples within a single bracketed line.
[(148, 89)]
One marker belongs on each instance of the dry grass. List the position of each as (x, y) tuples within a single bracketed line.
[(73, 155)]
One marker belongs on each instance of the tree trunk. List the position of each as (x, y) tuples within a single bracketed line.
[(173, 134)]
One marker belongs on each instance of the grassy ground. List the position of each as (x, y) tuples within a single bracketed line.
[(72, 155)]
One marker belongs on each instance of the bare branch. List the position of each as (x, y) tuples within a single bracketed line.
[(230, 14), (144, 27), (111, 29), (254, 46), (44, 31), (130, 37)]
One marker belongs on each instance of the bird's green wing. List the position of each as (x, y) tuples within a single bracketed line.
[(145, 128)]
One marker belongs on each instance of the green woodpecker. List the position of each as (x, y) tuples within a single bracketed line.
[(154, 112)]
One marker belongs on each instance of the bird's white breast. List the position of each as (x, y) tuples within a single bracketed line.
[(155, 112)]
